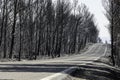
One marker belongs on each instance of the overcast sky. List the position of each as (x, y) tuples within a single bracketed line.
[(96, 7)]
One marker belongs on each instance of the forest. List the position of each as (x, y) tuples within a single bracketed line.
[(31, 29)]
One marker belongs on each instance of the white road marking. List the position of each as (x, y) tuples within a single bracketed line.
[(105, 51), (61, 75)]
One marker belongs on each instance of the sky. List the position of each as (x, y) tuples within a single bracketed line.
[(96, 7)]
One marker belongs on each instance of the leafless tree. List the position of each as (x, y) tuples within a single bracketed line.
[(31, 29)]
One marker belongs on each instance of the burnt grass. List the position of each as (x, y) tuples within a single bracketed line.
[(92, 72)]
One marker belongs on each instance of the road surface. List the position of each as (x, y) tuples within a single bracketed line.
[(40, 69)]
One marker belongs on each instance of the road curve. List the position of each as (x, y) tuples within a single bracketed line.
[(40, 69)]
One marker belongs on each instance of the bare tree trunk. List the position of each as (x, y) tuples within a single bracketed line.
[(112, 36), (13, 29), (20, 43), (6, 21), (2, 24)]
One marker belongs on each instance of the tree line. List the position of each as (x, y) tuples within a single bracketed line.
[(113, 12), (30, 29)]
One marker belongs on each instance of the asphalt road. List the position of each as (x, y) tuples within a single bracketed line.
[(36, 70)]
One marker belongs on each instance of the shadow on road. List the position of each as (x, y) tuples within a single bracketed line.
[(53, 68), (88, 71)]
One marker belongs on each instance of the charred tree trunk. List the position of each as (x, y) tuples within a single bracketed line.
[(13, 29)]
